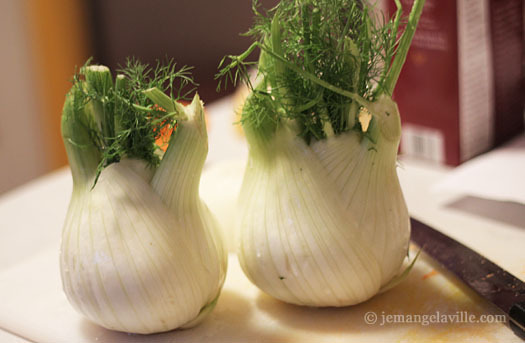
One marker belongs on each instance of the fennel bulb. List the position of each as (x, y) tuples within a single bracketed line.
[(140, 251), (297, 243), (322, 217), (369, 190)]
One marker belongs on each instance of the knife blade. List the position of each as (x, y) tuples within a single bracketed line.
[(487, 279)]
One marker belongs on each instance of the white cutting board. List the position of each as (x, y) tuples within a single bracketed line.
[(34, 307)]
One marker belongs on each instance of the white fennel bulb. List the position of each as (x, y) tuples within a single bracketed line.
[(322, 217), (297, 244), (140, 251), (366, 178)]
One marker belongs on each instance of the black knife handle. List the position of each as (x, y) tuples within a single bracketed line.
[(517, 316)]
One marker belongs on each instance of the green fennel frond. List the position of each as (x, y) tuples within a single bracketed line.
[(321, 61), (120, 118)]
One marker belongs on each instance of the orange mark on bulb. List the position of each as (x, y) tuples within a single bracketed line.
[(165, 134), (166, 131)]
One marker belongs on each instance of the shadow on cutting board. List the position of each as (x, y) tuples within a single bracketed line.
[(428, 290), (230, 323)]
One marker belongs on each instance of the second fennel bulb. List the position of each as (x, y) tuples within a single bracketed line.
[(322, 218)]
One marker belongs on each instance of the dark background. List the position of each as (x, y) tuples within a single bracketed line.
[(194, 32)]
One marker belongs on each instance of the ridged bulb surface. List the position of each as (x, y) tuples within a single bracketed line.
[(297, 244), (325, 224), (141, 253)]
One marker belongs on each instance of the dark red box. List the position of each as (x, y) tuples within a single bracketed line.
[(461, 91)]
